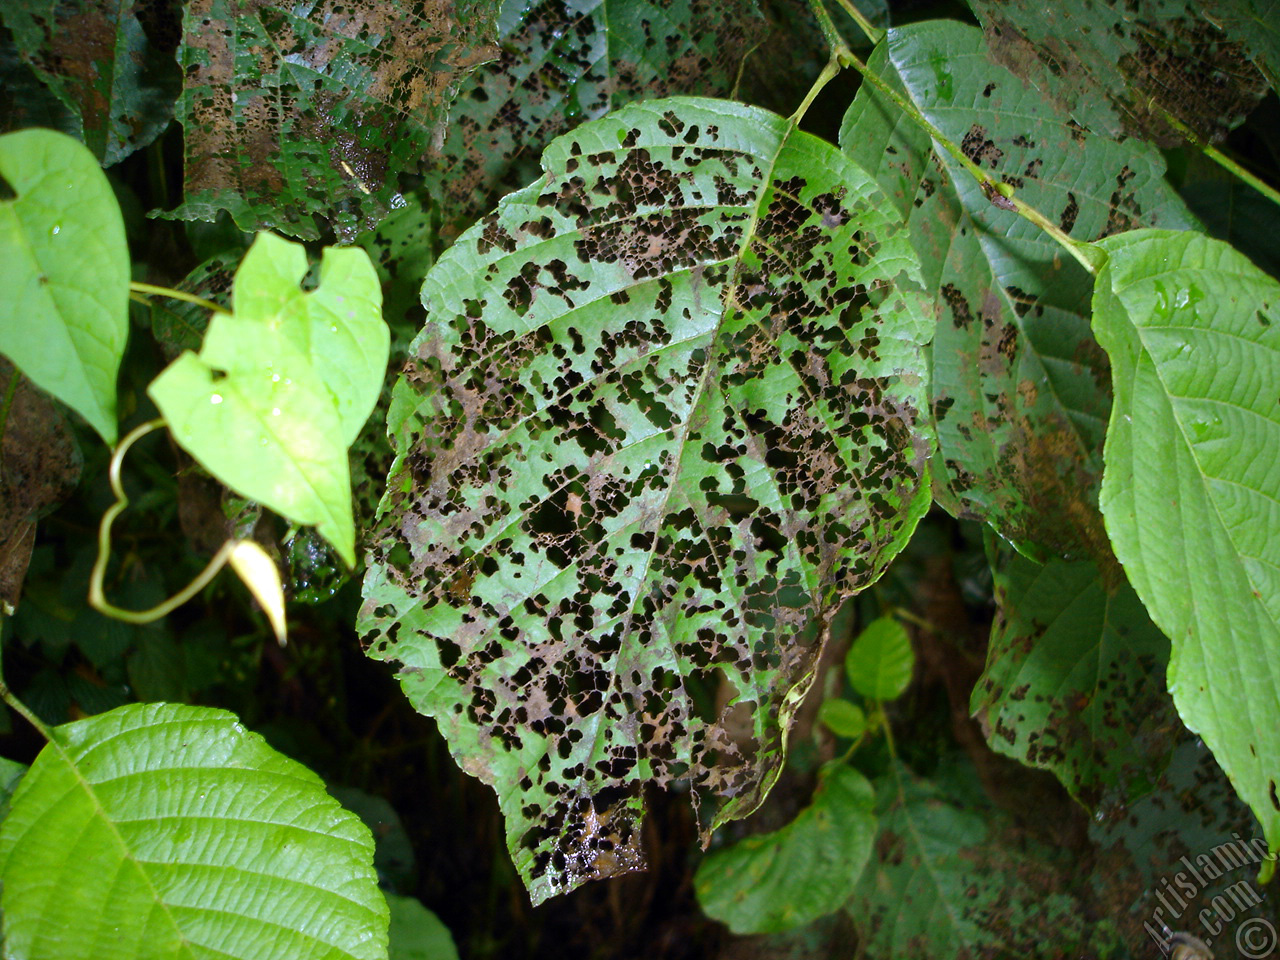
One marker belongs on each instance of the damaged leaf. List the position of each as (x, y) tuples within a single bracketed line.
[(1191, 497), (110, 63), (1074, 681), (1133, 69), (566, 61), (664, 416), (297, 112), (1020, 387)]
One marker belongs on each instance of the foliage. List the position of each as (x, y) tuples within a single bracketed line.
[(629, 473)]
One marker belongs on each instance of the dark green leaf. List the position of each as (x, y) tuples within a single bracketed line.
[(298, 112), (110, 63), (1020, 389), (663, 420), (781, 880), (1192, 486), (1075, 681), (416, 933)]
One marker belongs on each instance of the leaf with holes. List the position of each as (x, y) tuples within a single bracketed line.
[(111, 64), (297, 111), (64, 267), (159, 830), (1191, 493), (790, 877), (1121, 68), (664, 416), (566, 61), (1074, 681), (1020, 390)]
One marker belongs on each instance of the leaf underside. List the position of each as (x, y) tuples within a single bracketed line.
[(663, 417), (1020, 390), (297, 112)]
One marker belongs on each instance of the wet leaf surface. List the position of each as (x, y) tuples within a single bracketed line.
[(110, 64), (664, 416), (1020, 386), (293, 113), (1075, 681), (1118, 68), (566, 61)]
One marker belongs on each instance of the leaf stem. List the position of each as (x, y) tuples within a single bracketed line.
[(153, 290), (8, 697), (873, 33), (826, 76), (97, 599), (1264, 188), (1000, 194)]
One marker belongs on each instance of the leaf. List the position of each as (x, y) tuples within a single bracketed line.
[(951, 877), (843, 718), (780, 880), (566, 61), (110, 64), (1256, 24), (258, 572), (296, 112), (416, 933), (1074, 681), (1192, 495), (11, 774), (1020, 389), (64, 267), (880, 662), (283, 384), (1121, 70), (160, 830), (663, 420)]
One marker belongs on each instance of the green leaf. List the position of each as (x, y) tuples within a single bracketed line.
[(564, 63), (1020, 389), (64, 267), (843, 718), (160, 830), (1074, 681), (1256, 25), (663, 419), (283, 384), (1125, 71), (416, 933), (1191, 493), (296, 112), (880, 662), (780, 880), (11, 774), (97, 59)]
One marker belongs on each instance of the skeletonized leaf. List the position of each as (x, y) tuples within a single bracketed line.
[(110, 64), (64, 269), (166, 831), (1074, 681), (297, 111), (663, 417), (1020, 390), (1121, 68), (1191, 492), (781, 880), (566, 61)]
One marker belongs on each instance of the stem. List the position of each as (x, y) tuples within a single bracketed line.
[(839, 48), (1268, 191), (97, 600), (8, 697), (874, 34), (1000, 194), (148, 288), (828, 73)]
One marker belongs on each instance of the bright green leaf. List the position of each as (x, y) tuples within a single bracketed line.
[(780, 880), (1019, 385), (1191, 492), (283, 385), (664, 417), (880, 662), (166, 831), (1074, 681), (416, 933), (843, 718), (64, 269), (97, 58)]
